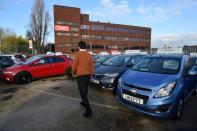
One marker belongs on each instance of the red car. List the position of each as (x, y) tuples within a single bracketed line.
[(37, 67)]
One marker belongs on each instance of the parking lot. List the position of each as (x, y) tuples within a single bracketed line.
[(53, 104)]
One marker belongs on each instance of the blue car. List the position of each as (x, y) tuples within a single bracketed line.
[(158, 85)]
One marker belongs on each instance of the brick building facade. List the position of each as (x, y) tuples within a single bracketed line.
[(70, 26)]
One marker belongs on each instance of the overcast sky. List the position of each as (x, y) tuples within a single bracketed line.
[(173, 22)]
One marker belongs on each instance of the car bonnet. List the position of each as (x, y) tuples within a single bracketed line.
[(148, 80)]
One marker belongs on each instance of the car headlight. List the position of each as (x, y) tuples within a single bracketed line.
[(111, 75), (7, 72), (166, 91)]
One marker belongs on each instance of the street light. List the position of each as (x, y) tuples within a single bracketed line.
[(31, 46)]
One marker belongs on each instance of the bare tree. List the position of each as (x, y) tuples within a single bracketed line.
[(38, 29)]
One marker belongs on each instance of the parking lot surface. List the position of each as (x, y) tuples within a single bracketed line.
[(52, 104)]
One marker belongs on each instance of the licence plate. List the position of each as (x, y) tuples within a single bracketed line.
[(133, 99), (95, 81)]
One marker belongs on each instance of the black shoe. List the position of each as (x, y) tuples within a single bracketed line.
[(82, 104), (87, 114)]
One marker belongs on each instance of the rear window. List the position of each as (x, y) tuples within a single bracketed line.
[(55, 59), (158, 65)]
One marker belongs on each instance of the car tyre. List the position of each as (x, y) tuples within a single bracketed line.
[(114, 89), (196, 91), (179, 110), (23, 78)]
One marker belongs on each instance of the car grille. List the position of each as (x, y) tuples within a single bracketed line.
[(98, 76), (138, 88), (145, 98)]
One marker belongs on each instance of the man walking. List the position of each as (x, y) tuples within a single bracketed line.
[(84, 67)]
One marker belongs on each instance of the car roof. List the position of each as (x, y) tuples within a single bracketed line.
[(168, 56), (133, 55), (5, 56)]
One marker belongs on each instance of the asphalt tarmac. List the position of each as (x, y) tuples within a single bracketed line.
[(52, 104)]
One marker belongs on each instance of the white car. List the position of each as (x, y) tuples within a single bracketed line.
[(17, 58)]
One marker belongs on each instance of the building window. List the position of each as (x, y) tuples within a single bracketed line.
[(97, 27), (63, 34), (74, 29), (111, 38), (66, 23), (96, 37), (60, 45), (85, 37), (66, 34), (97, 47), (74, 34), (88, 46), (142, 40), (85, 27), (123, 38), (123, 30), (112, 29), (148, 32)]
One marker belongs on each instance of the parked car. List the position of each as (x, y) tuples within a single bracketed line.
[(158, 85), (5, 62), (101, 60), (17, 58), (37, 67), (107, 75)]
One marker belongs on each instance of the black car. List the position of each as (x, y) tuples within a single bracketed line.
[(5, 62), (107, 75), (99, 61)]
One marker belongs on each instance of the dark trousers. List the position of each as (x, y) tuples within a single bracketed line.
[(83, 83)]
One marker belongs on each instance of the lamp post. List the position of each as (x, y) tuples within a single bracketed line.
[(0, 40), (31, 46)]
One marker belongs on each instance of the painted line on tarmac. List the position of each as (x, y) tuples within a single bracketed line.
[(100, 105), (75, 99)]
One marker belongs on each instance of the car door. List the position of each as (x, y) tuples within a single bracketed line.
[(58, 65), (188, 80), (41, 68)]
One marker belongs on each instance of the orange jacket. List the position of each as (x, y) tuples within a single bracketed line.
[(83, 64)]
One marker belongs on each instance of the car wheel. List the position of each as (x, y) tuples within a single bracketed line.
[(179, 110), (23, 78), (114, 89), (195, 92)]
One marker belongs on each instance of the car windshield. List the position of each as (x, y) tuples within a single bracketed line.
[(117, 61), (95, 57), (102, 59), (158, 65), (19, 57), (30, 60)]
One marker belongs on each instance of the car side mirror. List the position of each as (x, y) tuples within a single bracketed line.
[(130, 65), (193, 71)]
